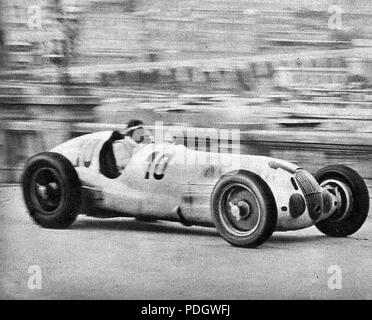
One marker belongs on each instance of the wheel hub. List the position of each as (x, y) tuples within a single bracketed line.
[(241, 209), (47, 194), (343, 195)]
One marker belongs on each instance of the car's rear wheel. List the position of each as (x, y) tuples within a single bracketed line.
[(51, 190), (352, 197), (243, 209)]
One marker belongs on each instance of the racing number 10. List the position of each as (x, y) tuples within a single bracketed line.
[(160, 164)]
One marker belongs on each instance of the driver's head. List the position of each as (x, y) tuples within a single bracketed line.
[(134, 124), (136, 130)]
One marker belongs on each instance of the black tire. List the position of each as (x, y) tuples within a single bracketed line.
[(252, 190), (335, 226), (51, 190)]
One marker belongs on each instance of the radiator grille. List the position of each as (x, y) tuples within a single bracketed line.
[(312, 192)]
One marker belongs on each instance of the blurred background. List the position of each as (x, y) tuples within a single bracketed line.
[(295, 76)]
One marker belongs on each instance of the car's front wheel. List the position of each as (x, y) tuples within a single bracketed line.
[(243, 209), (51, 190), (352, 197)]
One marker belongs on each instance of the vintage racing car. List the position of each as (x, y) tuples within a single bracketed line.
[(245, 197)]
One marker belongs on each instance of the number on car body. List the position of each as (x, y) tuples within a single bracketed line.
[(159, 161)]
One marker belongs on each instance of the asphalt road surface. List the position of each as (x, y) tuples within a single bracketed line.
[(126, 259)]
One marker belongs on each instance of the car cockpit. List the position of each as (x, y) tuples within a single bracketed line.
[(117, 151)]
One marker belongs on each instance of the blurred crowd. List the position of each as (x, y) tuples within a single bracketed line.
[(42, 33)]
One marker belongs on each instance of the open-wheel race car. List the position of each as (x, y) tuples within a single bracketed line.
[(245, 197)]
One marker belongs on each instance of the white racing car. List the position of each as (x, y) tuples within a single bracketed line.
[(245, 197)]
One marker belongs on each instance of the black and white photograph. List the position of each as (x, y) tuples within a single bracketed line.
[(207, 151)]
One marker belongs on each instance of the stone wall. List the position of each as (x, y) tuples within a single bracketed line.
[(36, 118)]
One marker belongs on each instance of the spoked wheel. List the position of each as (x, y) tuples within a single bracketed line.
[(243, 209), (352, 200), (51, 190)]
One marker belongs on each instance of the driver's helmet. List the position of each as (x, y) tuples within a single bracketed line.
[(137, 131)]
